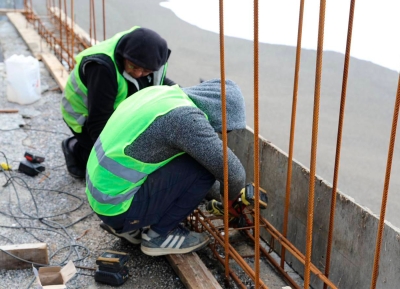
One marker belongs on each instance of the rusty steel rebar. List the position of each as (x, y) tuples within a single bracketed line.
[(385, 193), (232, 252), (256, 149), (72, 33), (295, 252), (284, 274), (93, 20), (339, 139), (207, 224), (224, 133), (292, 128), (314, 142), (104, 20)]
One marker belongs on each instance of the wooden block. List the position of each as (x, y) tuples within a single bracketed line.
[(192, 271), (32, 252), (8, 110)]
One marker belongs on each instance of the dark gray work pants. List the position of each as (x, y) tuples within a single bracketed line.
[(166, 198)]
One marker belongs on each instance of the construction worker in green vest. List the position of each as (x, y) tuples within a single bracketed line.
[(104, 76), (156, 159)]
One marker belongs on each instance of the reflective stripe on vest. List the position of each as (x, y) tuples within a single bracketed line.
[(107, 199), (79, 118), (116, 168)]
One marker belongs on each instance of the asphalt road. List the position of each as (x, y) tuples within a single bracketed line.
[(370, 100)]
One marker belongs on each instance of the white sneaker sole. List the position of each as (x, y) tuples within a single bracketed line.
[(166, 251), (126, 236)]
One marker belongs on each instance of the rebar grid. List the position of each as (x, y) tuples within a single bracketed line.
[(58, 35), (202, 221)]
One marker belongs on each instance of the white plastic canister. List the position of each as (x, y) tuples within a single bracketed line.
[(23, 79)]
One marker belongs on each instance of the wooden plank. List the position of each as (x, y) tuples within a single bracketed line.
[(8, 110), (32, 252), (192, 271), (57, 70)]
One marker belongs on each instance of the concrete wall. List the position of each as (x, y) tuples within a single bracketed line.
[(355, 227)]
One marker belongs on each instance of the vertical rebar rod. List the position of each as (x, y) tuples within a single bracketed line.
[(292, 128), (60, 25), (224, 135), (90, 20), (339, 139), (317, 95), (72, 34), (94, 21), (375, 270), (104, 21), (256, 152), (67, 34)]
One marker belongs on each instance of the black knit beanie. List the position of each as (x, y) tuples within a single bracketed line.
[(145, 48)]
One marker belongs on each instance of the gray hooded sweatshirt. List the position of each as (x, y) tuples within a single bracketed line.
[(187, 129)]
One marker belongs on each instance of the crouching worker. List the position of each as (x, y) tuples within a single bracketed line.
[(105, 75), (156, 159)]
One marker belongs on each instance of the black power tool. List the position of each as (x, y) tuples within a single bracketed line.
[(112, 269)]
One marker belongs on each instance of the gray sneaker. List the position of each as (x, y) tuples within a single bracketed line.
[(133, 237), (178, 241)]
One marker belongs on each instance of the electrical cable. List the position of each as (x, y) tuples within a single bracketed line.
[(34, 215)]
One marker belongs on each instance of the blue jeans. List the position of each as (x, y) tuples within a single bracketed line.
[(166, 198)]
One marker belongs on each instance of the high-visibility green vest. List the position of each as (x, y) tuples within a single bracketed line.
[(112, 177), (74, 102)]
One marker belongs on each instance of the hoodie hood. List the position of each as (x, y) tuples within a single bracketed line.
[(143, 47), (207, 97)]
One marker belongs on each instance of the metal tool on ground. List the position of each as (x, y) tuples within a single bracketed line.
[(33, 158), (112, 269), (32, 165), (244, 203)]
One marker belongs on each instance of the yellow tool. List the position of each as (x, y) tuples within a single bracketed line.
[(5, 166)]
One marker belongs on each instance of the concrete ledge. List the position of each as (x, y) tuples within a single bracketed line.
[(355, 228)]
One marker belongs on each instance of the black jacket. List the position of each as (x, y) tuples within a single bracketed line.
[(98, 73)]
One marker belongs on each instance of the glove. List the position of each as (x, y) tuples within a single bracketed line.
[(236, 206), (217, 208)]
